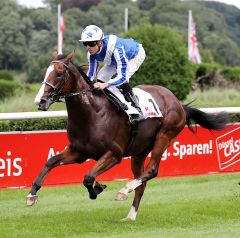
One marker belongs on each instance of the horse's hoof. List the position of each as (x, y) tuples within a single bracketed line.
[(31, 200), (93, 196), (91, 191), (126, 219), (98, 188), (121, 196)]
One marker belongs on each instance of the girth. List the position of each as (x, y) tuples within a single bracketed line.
[(122, 107), (131, 139)]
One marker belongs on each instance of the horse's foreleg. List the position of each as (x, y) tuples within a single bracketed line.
[(32, 197), (66, 157), (107, 161), (137, 165)]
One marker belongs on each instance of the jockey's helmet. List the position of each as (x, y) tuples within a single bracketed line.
[(92, 33)]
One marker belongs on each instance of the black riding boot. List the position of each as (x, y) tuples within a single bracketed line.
[(131, 97)]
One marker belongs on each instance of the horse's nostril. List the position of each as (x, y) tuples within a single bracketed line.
[(42, 101)]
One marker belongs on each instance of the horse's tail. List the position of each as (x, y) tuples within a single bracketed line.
[(209, 121)]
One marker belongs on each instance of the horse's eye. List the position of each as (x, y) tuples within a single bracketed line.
[(59, 76)]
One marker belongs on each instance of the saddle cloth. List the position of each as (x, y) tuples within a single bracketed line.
[(146, 101)]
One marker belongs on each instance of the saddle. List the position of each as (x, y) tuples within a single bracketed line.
[(146, 101), (115, 100)]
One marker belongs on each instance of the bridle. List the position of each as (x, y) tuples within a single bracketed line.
[(62, 77)]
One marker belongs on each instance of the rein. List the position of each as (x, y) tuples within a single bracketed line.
[(59, 61), (57, 90), (84, 91)]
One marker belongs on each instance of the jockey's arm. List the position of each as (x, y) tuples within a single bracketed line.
[(93, 67), (121, 61)]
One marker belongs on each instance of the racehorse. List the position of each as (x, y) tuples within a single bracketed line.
[(97, 130)]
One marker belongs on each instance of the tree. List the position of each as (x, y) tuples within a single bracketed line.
[(36, 71), (43, 19), (109, 15), (84, 5), (225, 50), (146, 5), (38, 44), (52, 4), (166, 62), (228, 52), (12, 40)]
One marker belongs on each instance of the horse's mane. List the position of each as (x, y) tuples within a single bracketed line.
[(82, 69), (61, 56)]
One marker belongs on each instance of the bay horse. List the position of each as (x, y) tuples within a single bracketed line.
[(97, 130)]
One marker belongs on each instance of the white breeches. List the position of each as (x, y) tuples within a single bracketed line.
[(108, 71)]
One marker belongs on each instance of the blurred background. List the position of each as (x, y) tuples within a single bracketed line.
[(29, 34)]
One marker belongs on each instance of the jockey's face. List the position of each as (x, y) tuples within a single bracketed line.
[(93, 47)]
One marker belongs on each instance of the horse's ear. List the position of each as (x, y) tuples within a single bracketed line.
[(70, 56), (54, 54)]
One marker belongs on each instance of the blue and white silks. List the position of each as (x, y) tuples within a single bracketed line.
[(119, 56)]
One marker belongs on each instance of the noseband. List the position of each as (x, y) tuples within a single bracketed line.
[(62, 78)]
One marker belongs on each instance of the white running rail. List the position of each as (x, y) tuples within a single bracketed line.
[(63, 114), (31, 115)]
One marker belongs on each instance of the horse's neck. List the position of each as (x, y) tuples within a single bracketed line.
[(86, 111), (85, 106), (79, 83)]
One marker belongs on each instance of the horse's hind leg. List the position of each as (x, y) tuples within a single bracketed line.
[(163, 140), (66, 157), (137, 165), (172, 125)]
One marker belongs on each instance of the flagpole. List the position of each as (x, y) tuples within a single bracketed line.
[(189, 33), (59, 30), (126, 19)]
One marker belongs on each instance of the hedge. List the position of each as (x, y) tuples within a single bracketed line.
[(33, 124), (8, 88), (6, 75), (204, 69), (231, 73), (50, 124)]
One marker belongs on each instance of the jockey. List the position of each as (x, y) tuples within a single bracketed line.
[(121, 59)]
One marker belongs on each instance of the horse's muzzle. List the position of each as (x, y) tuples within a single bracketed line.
[(44, 104)]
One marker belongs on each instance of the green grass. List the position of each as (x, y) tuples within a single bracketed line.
[(204, 206), (215, 97), (24, 101)]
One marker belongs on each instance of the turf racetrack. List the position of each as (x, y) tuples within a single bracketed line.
[(205, 206)]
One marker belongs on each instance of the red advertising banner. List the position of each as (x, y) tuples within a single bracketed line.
[(23, 154)]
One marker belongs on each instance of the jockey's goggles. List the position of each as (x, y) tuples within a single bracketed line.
[(90, 43)]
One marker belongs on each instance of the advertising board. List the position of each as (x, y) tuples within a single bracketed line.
[(23, 154)]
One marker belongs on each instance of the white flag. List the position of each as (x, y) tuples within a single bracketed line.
[(62, 26), (61, 29), (193, 52)]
